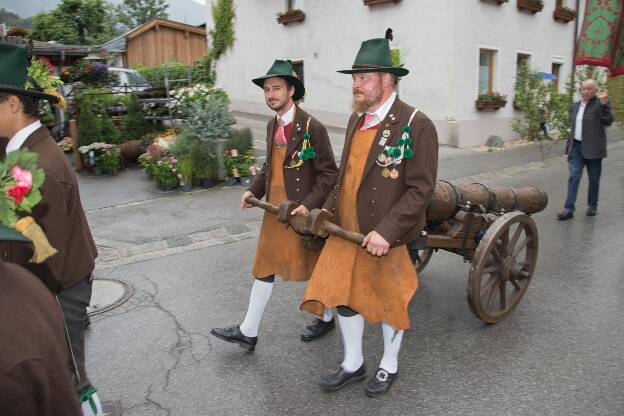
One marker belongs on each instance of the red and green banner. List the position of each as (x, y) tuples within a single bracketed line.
[(601, 41)]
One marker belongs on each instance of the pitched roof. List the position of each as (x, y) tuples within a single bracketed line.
[(164, 22), (118, 44)]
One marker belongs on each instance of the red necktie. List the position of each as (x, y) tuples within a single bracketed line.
[(280, 137), (367, 119)]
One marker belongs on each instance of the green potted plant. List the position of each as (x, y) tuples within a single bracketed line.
[(185, 173), (494, 101), (204, 164), (165, 173), (109, 161)]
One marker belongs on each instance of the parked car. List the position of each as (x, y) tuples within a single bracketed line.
[(129, 80)]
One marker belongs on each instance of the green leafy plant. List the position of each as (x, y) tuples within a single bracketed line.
[(110, 132), (241, 140), (20, 180), (165, 172), (88, 125), (204, 161), (209, 119), (109, 161), (185, 170), (239, 165), (134, 124), (495, 97), (539, 103)]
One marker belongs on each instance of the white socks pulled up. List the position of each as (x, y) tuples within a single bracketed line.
[(352, 329), (260, 295), (392, 345)]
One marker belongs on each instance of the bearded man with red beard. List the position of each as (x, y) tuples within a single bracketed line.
[(385, 183)]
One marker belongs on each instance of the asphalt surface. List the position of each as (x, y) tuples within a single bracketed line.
[(188, 258)]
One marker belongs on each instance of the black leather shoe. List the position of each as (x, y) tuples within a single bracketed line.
[(339, 379), (591, 212), (380, 383), (317, 329), (565, 215), (234, 334)]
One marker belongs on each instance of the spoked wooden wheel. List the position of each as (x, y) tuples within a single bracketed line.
[(502, 266), (420, 258)]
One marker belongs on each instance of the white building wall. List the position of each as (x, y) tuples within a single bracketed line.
[(439, 40)]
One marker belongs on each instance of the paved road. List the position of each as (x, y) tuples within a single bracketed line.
[(188, 257)]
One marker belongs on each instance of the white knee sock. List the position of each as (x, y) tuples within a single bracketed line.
[(352, 328), (260, 295), (328, 315), (392, 345)]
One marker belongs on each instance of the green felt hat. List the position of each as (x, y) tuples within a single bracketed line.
[(14, 72), (283, 69), (9, 234), (374, 56)]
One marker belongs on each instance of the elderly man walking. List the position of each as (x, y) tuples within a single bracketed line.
[(587, 146)]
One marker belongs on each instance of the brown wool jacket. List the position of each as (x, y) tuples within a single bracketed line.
[(61, 217), (395, 208), (311, 183), (34, 372)]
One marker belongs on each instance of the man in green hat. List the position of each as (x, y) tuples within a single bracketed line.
[(386, 180), (68, 274), (33, 352), (300, 167)]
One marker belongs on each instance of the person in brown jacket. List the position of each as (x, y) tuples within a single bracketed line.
[(386, 180), (68, 274), (34, 380), (300, 166)]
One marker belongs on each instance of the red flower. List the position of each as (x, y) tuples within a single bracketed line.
[(18, 193)]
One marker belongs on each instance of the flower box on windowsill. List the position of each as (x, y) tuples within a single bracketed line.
[(564, 14), (374, 2), (290, 16), (531, 6), (489, 104), (499, 2)]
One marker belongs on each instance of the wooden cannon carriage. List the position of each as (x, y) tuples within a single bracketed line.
[(490, 227)]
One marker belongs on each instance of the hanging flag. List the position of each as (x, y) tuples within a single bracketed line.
[(601, 41)]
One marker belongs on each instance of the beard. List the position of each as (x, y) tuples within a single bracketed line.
[(277, 105), (366, 100)]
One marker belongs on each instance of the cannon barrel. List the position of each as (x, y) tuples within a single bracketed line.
[(449, 198)]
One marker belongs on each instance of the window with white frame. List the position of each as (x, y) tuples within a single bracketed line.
[(487, 60)]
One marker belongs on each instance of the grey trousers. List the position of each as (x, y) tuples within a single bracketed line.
[(74, 301)]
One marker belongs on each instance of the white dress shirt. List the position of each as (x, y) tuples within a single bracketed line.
[(578, 127), (381, 112), (20, 137), (287, 118)]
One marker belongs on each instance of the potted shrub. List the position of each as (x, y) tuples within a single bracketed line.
[(492, 101), (100, 158), (109, 161), (204, 165), (165, 173), (185, 173)]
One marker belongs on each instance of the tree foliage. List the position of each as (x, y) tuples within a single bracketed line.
[(539, 103), (133, 13), (80, 22)]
